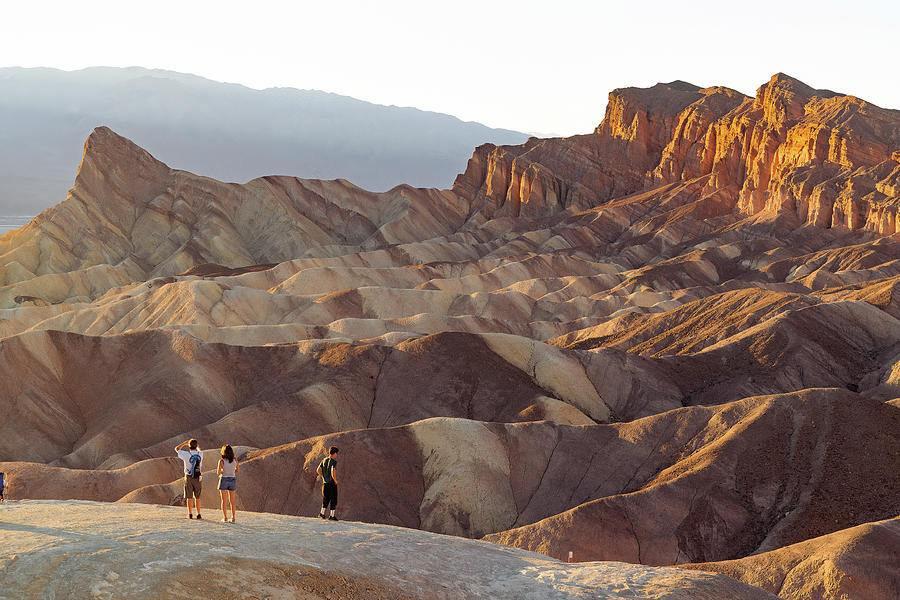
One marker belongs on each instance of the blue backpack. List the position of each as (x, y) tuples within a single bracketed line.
[(195, 465)]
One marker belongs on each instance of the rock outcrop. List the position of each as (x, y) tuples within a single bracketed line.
[(138, 552), (752, 476), (859, 562), (139, 219), (828, 159)]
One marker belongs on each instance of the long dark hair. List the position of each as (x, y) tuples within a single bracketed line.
[(228, 453)]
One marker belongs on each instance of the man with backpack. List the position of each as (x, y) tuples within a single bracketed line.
[(193, 463), (328, 470)]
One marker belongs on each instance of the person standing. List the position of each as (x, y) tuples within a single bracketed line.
[(328, 471), (4, 486), (193, 464), (227, 471)]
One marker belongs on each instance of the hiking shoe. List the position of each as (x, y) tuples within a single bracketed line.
[(198, 516), (190, 516), (332, 518), (232, 519), (224, 520), (322, 517)]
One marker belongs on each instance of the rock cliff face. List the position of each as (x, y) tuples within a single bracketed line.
[(831, 160), (673, 339)]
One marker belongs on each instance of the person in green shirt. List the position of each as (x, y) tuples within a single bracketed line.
[(328, 471)]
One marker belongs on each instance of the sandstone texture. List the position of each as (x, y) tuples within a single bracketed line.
[(673, 340), (860, 562), (754, 475), (89, 550), (826, 159)]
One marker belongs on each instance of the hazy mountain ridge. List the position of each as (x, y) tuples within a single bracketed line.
[(221, 130)]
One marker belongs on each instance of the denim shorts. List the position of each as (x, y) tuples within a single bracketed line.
[(228, 483)]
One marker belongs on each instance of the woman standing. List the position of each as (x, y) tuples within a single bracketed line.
[(227, 470)]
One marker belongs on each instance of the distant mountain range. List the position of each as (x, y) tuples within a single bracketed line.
[(222, 130)]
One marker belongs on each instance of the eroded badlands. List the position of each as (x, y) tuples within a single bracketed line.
[(673, 340)]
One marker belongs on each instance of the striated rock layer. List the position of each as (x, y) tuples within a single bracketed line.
[(753, 476), (859, 562), (828, 159)]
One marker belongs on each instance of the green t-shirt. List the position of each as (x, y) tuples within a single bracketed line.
[(327, 465)]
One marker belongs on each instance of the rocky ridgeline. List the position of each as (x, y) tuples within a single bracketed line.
[(832, 160)]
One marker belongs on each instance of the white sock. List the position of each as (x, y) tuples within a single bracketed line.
[(332, 513), (322, 512)]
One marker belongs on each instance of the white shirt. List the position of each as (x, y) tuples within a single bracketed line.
[(228, 468), (185, 456)]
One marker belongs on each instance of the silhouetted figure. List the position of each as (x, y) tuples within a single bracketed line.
[(328, 471)]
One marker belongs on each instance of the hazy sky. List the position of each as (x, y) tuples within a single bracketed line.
[(536, 66)]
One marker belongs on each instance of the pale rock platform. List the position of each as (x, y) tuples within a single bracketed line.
[(77, 550)]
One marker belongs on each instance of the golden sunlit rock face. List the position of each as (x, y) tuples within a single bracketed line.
[(828, 159), (673, 340)]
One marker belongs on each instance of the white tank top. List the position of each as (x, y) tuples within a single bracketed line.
[(228, 468)]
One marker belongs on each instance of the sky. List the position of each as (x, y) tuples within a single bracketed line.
[(535, 66)]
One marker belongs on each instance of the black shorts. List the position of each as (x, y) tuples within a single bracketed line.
[(329, 495)]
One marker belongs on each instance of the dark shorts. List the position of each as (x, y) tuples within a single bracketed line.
[(228, 483), (329, 495), (192, 487)]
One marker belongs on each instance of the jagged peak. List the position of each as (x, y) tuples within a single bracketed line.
[(105, 150), (113, 162), (104, 142), (788, 93), (786, 81), (782, 80)]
